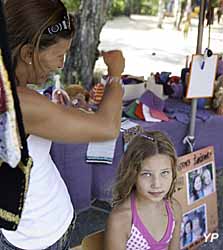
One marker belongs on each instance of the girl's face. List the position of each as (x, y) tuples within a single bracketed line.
[(49, 60), (196, 224), (155, 178), (197, 183), (187, 227), (206, 177)]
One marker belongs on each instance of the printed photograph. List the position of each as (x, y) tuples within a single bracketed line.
[(193, 226), (200, 183)]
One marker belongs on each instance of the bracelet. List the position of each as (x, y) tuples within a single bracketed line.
[(111, 79), (117, 79)]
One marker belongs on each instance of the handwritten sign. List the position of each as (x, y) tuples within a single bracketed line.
[(196, 192)]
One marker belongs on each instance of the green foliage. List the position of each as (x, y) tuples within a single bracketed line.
[(72, 5), (146, 7), (149, 7), (118, 7)]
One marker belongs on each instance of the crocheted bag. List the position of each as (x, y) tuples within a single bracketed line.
[(15, 163)]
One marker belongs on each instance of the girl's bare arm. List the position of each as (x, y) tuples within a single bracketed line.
[(175, 241), (117, 230)]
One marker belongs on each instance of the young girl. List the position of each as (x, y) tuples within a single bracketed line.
[(187, 234), (144, 214), (197, 188), (207, 182)]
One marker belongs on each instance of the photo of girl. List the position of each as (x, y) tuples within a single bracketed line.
[(194, 226), (187, 236), (208, 179), (197, 188), (144, 214), (200, 183)]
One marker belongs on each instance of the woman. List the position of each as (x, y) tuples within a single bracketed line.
[(40, 34)]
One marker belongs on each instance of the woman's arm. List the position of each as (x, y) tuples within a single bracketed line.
[(177, 211), (56, 122), (117, 230)]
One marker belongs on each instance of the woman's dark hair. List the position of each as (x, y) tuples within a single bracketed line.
[(29, 20), (185, 234)]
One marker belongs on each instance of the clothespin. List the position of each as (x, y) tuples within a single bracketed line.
[(207, 53)]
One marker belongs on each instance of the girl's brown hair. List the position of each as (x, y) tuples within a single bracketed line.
[(27, 23), (141, 147)]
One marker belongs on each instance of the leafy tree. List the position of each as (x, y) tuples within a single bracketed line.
[(72, 5)]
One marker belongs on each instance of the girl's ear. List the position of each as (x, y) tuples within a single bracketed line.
[(26, 54)]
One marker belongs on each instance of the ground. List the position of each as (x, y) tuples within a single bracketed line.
[(149, 49)]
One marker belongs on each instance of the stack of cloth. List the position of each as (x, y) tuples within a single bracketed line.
[(101, 152), (148, 107)]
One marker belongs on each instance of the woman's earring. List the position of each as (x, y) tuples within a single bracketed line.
[(30, 63)]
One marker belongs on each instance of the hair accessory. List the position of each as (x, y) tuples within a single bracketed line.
[(58, 27), (147, 137)]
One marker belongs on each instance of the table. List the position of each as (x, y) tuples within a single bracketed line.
[(87, 182)]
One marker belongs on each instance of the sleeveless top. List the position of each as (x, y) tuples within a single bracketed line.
[(48, 210), (141, 239)]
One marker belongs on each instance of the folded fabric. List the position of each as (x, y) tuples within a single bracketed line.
[(130, 110), (139, 112), (147, 115), (101, 152), (158, 115), (152, 101), (182, 111)]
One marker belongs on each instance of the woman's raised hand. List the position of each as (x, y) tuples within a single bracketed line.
[(115, 62)]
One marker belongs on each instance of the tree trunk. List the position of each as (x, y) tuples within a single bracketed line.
[(128, 7), (160, 13), (81, 59)]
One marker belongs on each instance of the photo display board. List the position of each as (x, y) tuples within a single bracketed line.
[(196, 192)]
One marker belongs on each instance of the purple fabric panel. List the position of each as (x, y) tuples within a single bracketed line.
[(103, 175), (175, 108), (152, 101), (77, 174)]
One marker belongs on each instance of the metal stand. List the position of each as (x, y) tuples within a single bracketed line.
[(190, 138)]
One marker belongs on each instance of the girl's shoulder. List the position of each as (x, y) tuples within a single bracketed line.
[(122, 210), (121, 215)]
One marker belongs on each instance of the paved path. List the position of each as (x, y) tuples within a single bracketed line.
[(139, 38)]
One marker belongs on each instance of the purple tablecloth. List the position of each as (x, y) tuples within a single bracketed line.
[(86, 182)]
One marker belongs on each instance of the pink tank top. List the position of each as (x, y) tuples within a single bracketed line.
[(141, 239)]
